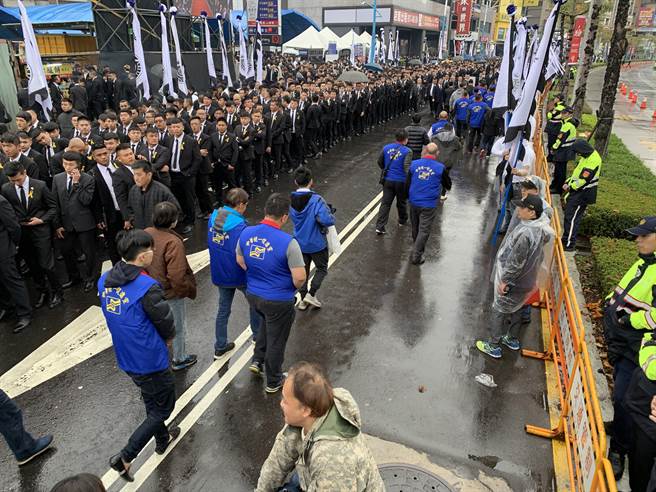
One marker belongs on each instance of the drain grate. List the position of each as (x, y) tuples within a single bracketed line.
[(408, 478)]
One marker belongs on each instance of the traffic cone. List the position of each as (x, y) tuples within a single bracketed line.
[(643, 104), (623, 89), (653, 116), (630, 95)]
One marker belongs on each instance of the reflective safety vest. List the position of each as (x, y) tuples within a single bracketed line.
[(567, 135), (586, 174), (639, 301), (647, 356), (554, 115)]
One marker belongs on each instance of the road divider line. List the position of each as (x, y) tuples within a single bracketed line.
[(154, 460)]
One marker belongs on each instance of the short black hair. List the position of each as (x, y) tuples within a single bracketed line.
[(82, 482), (401, 135), (50, 126), (277, 205), (416, 118), (194, 117), (12, 168), (71, 155), (144, 165), (25, 116), (25, 135), (132, 243), (110, 136), (303, 176), (236, 196), (164, 215), (123, 146), (152, 129), (174, 121), (10, 138), (83, 117)]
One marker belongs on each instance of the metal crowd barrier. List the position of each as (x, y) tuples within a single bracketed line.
[(580, 425)]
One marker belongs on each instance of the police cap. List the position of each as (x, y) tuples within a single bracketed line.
[(646, 226)]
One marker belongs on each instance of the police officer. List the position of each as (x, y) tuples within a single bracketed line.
[(580, 190), (640, 401), (133, 302), (427, 180), (394, 160), (562, 149), (274, 270), (630, 313), (554, 122)]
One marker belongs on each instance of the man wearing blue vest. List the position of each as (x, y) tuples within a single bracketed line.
[(141, 324), (225, 227), (439, 124), (475, 116), (394, 160), (460, 107), (427, 179), (274, 270), (311, 216)]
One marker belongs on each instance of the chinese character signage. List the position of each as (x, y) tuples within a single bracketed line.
[(416, 19), (463, 12), (645, 17), (577, 38)]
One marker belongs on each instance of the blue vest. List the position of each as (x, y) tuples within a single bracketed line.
[(437, 126), (139, 347), (461, 106), (222, 246), (264, 248), (489, 98), (394, 157), (476, 114), (426, 182)]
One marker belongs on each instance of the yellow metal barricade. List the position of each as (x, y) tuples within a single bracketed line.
[(580, 423)]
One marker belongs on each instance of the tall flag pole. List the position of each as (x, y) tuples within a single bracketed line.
[(182, 78), (37, 86), (260, 53), (167, 72), (139, 58), (225, 67), (243, 50), (211, 71)]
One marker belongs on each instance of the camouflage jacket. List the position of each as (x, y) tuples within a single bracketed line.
[(332, 457)]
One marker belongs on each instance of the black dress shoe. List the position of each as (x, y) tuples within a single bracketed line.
[(117, 464), (41, 300), (71, 283), (22, 324), (56, 300), (3, 314), (187, 230), (88, 285)]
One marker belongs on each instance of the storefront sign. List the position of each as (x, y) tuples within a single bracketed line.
[(463, 12), (645, 17), (577, 38)]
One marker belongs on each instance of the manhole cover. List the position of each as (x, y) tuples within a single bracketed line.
[(408, 478)]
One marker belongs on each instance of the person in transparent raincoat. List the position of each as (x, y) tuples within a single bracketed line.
[(532, 185), (522, 264)]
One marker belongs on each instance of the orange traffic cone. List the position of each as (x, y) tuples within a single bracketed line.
[(653, 116), (624, 89), (643, 104), (630, 95)]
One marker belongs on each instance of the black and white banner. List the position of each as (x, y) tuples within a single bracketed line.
[(211, 71), (167, 72), (182, 78), (259, 72), (225, 67), (139, 58)]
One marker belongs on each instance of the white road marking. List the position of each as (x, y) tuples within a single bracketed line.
[(154, 460)]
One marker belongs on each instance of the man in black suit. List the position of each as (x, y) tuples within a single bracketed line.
[(75, 223), (157, 155), (312, 127), (26, 149), (13, 293), (95, 94), (328, 116), (50, 147), (206, 126), (123, 180), (185, 161), (205, 169), (297, 130), (36, 209), (163, 130), (276, 135), (259, 146), (225, 154), (78, 95), (231, 117), (125, 118), (11, 152), (244, 135), (434, 93), (107, 212)]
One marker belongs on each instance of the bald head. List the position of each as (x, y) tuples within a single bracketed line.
[(76, 145), (431, 149), (444, 115)]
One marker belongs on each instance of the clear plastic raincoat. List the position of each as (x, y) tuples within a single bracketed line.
[(541, 185), (523, 262)]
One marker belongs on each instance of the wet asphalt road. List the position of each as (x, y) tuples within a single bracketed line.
[(386, 328)]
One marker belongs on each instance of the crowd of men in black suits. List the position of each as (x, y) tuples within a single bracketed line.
[(79, 179)]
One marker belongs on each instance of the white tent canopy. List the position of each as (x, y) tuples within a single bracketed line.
[(308, 39), (348, 39), (365, 37), (328, 35)]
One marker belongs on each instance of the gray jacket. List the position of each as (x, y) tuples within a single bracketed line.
[(142, 203)]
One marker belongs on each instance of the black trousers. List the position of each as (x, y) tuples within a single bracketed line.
[(220, 176), (113, 228), (287, 154), (297, 149), (203, 193), (574, 211), (392, 190), (272, 338), (461, 128), (560, 175), (36, 249), (21, 442), (13, 293), (421, 219), (474, 138), (158, 395), (320, 259), (243, 175), (276, 155), (87, 243), (312, 140), (642, 469), (258, 168), (183, 188)]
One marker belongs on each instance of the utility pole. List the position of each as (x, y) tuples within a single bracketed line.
[(372, 46)]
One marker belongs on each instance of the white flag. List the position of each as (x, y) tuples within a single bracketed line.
[(211, 71), (139, 58), (352, 57), (37, 86), (396, 47), (390, 49), (383, 47), (501, 92), (167, 73), (518, 60), (182, 78), (554, 66), (224, 54), (243, 51), (439, 47), (260, 53)]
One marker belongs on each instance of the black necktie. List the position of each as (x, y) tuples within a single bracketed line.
[(174, 164), (70, 185), (23, 198)]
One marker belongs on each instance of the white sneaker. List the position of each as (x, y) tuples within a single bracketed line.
[(302, 306), (310, 299)]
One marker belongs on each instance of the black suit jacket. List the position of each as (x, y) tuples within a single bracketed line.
[(159, 158), (277, 128), (313, 117), (235, 121), (190, 158), (42, 164), (259, 137), (299, 124), (74, 208), (78, 95), (30, 166), (244, 138), (40, 204), (10, 230), (122, 181), (208, 128), (103, 205), (224, 154), (204, 143)]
